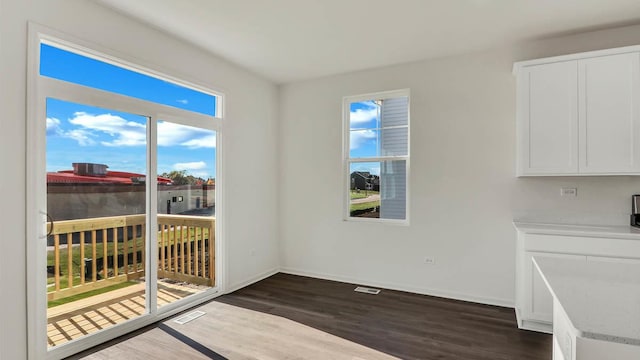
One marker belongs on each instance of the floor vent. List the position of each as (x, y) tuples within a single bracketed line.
[(189, 317), (367, 290)]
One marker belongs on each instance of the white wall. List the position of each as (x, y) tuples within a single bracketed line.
[(464, 193), (250, 132)]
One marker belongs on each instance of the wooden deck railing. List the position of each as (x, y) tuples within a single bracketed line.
[(88, 254), (186, 248)]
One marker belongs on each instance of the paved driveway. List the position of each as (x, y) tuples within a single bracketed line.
[(370, 198)]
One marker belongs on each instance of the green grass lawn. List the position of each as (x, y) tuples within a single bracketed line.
[(364, 206), (87, 294), (77, 262)]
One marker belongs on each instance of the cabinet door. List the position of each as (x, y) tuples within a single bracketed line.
[(548, 119), (540, 307), (609, 116)]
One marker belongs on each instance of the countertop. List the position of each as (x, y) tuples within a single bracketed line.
[(601, 299), (615, 232)]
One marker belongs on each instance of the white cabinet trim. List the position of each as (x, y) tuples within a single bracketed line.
[(517, 67)]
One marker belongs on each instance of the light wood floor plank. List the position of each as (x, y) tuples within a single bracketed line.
[(294, 317)]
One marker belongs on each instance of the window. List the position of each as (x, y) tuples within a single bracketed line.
[(376, 155), (61, 64)]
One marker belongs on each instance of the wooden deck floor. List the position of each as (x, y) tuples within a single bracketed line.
[(73, 320)]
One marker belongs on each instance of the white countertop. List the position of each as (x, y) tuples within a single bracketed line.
[(601, 299), (616, 232)]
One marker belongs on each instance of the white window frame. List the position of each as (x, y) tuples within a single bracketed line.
[(39, 88), (348, 160)]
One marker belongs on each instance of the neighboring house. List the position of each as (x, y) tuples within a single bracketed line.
[(89, 191), (364, 180), (88, 173)]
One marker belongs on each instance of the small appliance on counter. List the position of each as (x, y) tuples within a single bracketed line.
[(635, 210)]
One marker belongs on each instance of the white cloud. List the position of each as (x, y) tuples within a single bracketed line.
[(364, 115), (203, 142), (200, 174), (53, 125), (358, 138), (183, 101), (130, 133), (125, 133), (81, 136), (361, 116), (195, 165), (171, 134)]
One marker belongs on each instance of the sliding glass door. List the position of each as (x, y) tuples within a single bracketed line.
[(127, 187)]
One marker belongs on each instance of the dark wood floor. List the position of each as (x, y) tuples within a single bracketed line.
[(399, 324)]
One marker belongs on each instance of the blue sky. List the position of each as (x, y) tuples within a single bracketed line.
[(81, 133), (363, 140)]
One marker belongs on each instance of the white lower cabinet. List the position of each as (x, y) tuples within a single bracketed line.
[(540, 308), (534, 303)]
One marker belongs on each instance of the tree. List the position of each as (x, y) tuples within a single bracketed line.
[(180, 177)]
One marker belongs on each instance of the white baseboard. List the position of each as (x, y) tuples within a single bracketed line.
[(538, 326), (407, 288), (251, 280)]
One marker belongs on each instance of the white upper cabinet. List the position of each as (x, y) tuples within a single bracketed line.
[(609, 117), (549, 111), (579, 114)]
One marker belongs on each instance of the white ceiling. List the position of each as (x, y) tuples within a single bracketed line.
[(292, 40)]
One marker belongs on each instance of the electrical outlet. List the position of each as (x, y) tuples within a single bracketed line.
[(429, 260), (568, 192)]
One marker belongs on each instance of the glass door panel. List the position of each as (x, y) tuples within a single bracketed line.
[(186, 162), (96, 161)]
